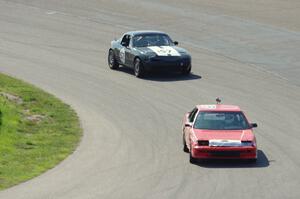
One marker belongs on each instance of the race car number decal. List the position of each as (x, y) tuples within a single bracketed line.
[(122, 55), (225, 143), (164, 50)]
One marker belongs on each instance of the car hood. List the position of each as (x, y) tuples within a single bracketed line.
[(162, 50), (241, 135)]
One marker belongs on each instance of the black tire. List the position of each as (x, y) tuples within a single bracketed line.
[(138, 68), (192, 159), (112, 62), (253, 160), (185, 148), (187, 70)]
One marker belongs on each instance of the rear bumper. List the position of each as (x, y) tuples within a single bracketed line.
[(206, 152)]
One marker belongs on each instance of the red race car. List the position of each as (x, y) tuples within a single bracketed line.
[(218, 132)]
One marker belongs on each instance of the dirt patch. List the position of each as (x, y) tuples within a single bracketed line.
[(12, 98), (35, 118)]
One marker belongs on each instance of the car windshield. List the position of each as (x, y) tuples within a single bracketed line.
[(151, 40), (221, 121)]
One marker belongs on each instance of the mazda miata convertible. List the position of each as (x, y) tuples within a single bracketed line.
[(148, 50)]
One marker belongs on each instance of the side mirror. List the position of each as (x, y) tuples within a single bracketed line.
[(123, 43), (253, 125), (175, 43), (188, 124)]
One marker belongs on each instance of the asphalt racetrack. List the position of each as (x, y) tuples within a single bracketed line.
[(246, 52)]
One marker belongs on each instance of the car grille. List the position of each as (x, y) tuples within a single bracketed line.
[(170, 61), (167, 58), (225, 153)]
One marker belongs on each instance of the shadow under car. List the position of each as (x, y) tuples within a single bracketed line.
[(162, 76), (262, 161)]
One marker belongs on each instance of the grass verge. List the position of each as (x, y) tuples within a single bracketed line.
[(37, 131)]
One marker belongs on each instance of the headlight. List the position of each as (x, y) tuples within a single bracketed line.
[(152, 56), (247, 143), (182, 53), (149, 57), (203, 142)]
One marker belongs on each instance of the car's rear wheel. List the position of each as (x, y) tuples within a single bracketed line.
[(138, 68), (112, 62)]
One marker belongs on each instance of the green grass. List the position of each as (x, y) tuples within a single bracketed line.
[(29, 148)]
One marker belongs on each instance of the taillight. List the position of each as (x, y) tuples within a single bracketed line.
[(203, 142)]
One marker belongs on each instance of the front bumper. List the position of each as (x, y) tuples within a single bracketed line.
[(208, 152), (167, 64)]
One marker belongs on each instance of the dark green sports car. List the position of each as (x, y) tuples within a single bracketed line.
[(148, 50)]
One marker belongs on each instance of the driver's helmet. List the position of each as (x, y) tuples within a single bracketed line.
[(229, 118), (152, 39)]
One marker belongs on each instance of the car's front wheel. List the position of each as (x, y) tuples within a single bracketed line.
[(186, 70), (138, 68), (112, 62), (185, 148), (192, 159)]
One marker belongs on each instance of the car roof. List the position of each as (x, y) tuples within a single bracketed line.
[(218, 107), (141, 32)]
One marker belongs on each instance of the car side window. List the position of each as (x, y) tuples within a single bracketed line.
[(125, 40), (192, 115)]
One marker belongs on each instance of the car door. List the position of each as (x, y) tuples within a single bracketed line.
[(121, 54), (187, 130), (125, 52), (116, 45), (130, 54)]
